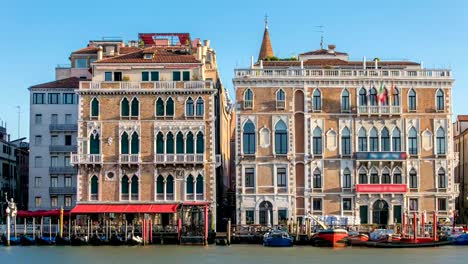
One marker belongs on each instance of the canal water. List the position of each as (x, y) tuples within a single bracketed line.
[(238, 254)]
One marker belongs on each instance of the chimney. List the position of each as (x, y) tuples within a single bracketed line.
[(364, 66), (261, 64), (331, 49), (199, 51), (252, 62), (207, 43), (99, 53), (376, 63)]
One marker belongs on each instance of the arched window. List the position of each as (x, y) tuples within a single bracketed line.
[(200, 143), (180, 143), (135, 107), (362, 97), (170, 187), (345, 142), (190, 143), (440, 100), (317, 141), (189, 107), (363, 179), (160, 143), (200, 187), (441, 178), (281, 138), (94, 144), (280, 99), (413, 142), (317, 179), (248, 138), (124, 107), (385, 139), (159, 107), (124, 188), (200, 107), (170, 143), (396, 97), (373, 96), (386, 179), (374, 176), (248, 99), (135, 187), (94, 188), (440, 141), (124, 143), (362, 139), (94, 107), (135, 143), (345, 105), (346, 178), (397, 179), (317, 100), (160, 188), (170, 107), (374, 140), (413, 179), (396, 140), (189, 187), (412, 100)]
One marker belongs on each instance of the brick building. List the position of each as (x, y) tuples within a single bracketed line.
[(363, 142), (461, 172)]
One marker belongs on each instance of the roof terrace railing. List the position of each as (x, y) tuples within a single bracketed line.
[(147, 85)]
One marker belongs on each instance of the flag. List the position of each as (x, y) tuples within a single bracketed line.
[(382, 93)]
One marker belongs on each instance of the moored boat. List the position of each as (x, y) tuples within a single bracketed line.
[(116, 240), (330, 238), (97, 240), (45, 241), (62, 241), (27, 241), (277, 238), (14, 241), (461, 240), (79, 240)]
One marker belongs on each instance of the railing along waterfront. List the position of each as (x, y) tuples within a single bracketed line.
[(332, 73), (146, 85)]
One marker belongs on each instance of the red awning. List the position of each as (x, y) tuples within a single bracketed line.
[(124, 208), (41, 213)]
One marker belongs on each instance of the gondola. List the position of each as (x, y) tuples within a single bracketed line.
[(14, 241), (97, 240), (134, 240), (116, 240), (45, 241), (27, 241), (79, 240), (62, 241)]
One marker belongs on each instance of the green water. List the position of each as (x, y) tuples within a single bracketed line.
[(238, 254)]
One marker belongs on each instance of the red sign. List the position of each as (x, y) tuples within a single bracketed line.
[(381, 188)]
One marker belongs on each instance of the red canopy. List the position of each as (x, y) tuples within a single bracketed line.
[(41, 213), (124, 208)]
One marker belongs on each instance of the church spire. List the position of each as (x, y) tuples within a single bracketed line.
[(266, 50)]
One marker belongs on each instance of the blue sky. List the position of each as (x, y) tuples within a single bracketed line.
[(37, 35)]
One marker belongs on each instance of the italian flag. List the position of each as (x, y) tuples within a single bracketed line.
[(382, 93)]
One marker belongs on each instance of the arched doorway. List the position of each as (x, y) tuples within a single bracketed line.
[(266, 213), (380, 212)]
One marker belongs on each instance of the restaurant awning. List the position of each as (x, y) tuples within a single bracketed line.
[(124, 208)]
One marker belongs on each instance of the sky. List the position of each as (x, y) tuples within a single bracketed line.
[(35, 36)]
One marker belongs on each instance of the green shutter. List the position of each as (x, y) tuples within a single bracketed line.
[(124, 108), (159, 107), (134, 185), (159, 144), (144, 76), (363, 214), (176, 76), (190, 144), (160, 185), (135, 106), (95, 107), (200, 144), (170, 107), (186, 76), (135, 144), (180, 143), (124, 144), (94, 185), (124, 184), (94, 145), (190, 184), (155, 76), (170, 144), (397, 214), (169, 184), (199, 184)]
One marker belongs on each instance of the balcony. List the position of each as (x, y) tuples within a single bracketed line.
[(379, 110), (86, 159), (62, 148), (382, 155), (86, 85), (62, 190), (179, 158), (280, 104), (63, 170), (63, 127), (381, 188), (130, 158)]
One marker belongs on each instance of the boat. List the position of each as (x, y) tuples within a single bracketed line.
[(97, 240), (134, 240), (45, 241), (116, 240), (461, 240), (277, 238), (330, 238), (14, 241), (79, 240), (401, 244), (62, 241), (358, 236), (27, 240)]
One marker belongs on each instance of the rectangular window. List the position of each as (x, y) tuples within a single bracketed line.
[(347, 205), (108, 76), (53, 201), (413, 204), (54, 140), (38, 162), (66, 161), (37, 140), (38, 201), (68, 181), (54, 98), (317, 204), (155, 76), (176, 76), (249, 217), (68, 140), (249, 177), (281, 177), (54, 119), (186, 75), (144, 76), (39, 98), (68, 119), (68, 98), (38, 119), (117, 76), (81, 63), (54, 161), (68, 201), (283, 216), (442, 204), (37, 182), (53, 182)]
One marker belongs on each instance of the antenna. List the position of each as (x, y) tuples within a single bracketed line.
[(266, 20), (322, 31)]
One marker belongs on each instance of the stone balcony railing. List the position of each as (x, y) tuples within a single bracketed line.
[(86, 159), (63, 170), (63, 127), (379, 110), (178, 158), (62, 190), (87, 85), (62, 148), (129, 158)]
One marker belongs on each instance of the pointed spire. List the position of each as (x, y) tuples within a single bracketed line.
[(266, 50)]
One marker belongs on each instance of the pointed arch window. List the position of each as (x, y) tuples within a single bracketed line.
[(345, 104), (170, 107), (248, 138), (362, 97), (317, 141), (94, 188), (373, 96), (124, 107), (317, 100), (159, 107), (413, 179), (374, 140), (189, 107), (200, 143), (396, 97), (441, 178), (413, 142), (386, 179), (170, 143), (385, 139), (396, 140), (397, 179), (200, 187), (94, 107), (317, 179), (170, 187), (124, 188), (135, 107), (440, 100), (362, 139), (280, 99), (346, 178), (189, 187), (248, 99), (345, 142), (94, 144), (200, 107), (190, 143), (160, 188), (135, 188), (160, 143), (180, 143), (374, 176), (124, 147), (281, 138), (440, 141), (135, 143), (363, 179), (412, 100)]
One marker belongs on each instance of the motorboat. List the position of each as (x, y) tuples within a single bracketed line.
[(330, 238), (277, 238), (461, 240)]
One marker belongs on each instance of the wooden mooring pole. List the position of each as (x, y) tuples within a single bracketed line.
[(229, 232)]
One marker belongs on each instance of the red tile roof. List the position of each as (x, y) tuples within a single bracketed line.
[(161, 55), (87, 50), (462, 118), (72, 82)]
